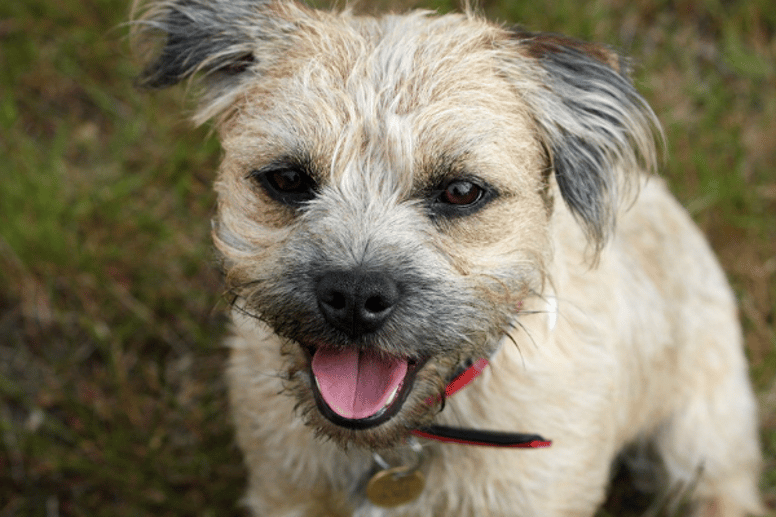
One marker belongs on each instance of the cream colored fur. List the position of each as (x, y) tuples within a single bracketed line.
[(602, 336)]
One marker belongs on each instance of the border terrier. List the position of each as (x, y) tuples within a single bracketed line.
[(405, 199)]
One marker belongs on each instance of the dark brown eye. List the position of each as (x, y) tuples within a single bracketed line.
[(286, 181), (286, 184), (462, 193), (459, 197)]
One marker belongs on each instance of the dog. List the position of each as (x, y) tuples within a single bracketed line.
[(414, 205)]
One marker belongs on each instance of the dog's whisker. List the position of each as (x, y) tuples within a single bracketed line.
[(527, 333), (527, 312), (514, 342)]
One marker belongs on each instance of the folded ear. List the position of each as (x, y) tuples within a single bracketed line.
[(222, 41), (599, 132)]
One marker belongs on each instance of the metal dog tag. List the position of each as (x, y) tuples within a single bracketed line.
[(395, 486)]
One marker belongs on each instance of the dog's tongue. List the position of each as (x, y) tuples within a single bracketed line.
[(357, 384)]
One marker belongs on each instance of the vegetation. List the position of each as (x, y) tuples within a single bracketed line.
[(111, 312)]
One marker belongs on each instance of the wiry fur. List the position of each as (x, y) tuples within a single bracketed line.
[(380, 112)]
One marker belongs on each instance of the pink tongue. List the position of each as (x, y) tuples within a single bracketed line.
[(357, 384)]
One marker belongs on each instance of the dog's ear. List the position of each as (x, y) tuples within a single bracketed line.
[(598, 131), (220, 41)]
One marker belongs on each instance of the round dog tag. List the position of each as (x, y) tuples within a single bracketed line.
[(396, 486)]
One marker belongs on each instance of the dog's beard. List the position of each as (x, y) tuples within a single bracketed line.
[(372, 390), (373, 393)]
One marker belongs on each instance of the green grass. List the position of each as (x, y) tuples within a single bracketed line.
[(111, 395)]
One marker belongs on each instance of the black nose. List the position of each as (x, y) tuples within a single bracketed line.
[(356, 302)]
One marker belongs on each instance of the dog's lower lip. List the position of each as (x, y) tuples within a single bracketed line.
[(393, 404)]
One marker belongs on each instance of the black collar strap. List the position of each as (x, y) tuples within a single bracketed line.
[(475, 436)]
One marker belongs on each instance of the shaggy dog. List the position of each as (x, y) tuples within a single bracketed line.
[(406, 199)]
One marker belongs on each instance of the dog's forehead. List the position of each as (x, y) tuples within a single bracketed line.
[(396, 91)]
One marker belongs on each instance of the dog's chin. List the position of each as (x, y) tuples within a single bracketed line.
[(378, 409)]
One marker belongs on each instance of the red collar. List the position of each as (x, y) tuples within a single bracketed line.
[(476, 436)]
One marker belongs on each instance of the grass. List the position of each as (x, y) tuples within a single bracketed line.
[(111, 397)]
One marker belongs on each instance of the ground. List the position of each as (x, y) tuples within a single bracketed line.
[(111, 310)]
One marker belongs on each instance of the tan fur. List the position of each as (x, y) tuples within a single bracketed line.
[(645, 345)]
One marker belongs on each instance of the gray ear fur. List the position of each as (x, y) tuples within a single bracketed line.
[(221, 43), (599, 132), (219, 38)]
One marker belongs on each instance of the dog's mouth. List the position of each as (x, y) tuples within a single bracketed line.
[(359, 389)]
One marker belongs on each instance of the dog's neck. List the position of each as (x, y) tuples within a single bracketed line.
[(466, 373), (466, 436)]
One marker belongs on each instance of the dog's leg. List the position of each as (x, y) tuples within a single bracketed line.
[(703, 414), (711, 441)]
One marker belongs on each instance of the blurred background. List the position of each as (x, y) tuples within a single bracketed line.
[(111, 307)]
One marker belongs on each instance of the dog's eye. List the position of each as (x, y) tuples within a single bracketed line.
[(460, 197), (462, 193), (286, 184), (287, 181)]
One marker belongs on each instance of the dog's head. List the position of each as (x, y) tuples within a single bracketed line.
[(387, 186)]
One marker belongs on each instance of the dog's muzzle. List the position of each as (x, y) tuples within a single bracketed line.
[(358, 387)]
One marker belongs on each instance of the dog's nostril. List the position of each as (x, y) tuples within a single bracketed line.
[(376, 304), (335, 300)]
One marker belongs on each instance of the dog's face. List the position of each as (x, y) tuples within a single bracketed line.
[(389, 214), (386, 192)]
